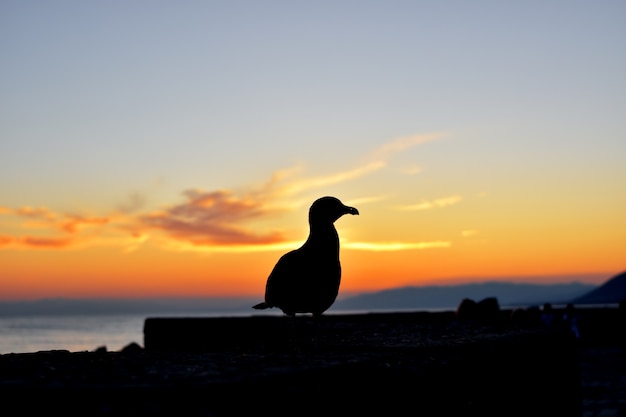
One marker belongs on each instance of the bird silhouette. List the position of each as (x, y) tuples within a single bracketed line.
[(306, 280)]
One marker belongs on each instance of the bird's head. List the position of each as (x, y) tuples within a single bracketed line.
[(329, 209)]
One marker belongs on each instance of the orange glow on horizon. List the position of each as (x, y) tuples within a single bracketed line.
[(152, 273)]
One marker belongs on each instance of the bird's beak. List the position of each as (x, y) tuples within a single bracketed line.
[(351, 210)]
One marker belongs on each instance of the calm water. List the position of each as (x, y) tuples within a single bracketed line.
[(73, 333)]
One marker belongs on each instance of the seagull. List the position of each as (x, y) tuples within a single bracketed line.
[(306, 280)]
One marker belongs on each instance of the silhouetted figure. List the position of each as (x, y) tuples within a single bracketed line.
[(306, 280), (485, 311), (570, 319), (622, 323), (466, 310), (549, 318), (489, 310), (525, 317), (518, 316)]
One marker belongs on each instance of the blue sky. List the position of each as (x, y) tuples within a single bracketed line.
[(111, 81)]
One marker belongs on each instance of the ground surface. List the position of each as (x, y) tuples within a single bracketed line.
[(433, 365)]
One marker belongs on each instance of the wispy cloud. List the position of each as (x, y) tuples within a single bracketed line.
[(134, 203), (374, 161), (45, 242), (212, 218), (387, 150), (395, 246), (412, 170), (33, 212), (365, 200), (214, 221), (289, 245), (46, 229), (5, 240), (319, 182), (188, 246), (431, 204), (35, 242), (44, 218), (469, 233), (217, 218), (210, 222), (73, 223)]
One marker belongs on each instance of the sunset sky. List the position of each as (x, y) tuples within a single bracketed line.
[(172, 148)]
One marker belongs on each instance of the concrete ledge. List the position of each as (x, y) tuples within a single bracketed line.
[(196, 334), (400, 363)]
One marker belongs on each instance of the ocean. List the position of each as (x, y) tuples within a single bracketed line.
[(22, 334)]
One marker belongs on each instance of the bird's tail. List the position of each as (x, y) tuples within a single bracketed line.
[(261, 306)]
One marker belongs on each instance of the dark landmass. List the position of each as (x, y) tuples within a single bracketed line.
[(611, 292), (407, 298), (418, 363), (507, 293)]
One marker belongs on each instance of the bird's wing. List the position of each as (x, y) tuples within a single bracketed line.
[(280, 283)]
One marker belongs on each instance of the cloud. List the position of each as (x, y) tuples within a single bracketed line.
[(134, 203), (413, 170), (374, 161), (395, 246), (339, 177), (35, 242), (50, 230), (45, 242), (134, 242), (469, 233), (44, 218), (5, 240), (203, 219), (365, 200), (34, 213), (438, 203), (387, 150), (187, 246), (290, 245), (215, 219), (212, 218), (73, 223)]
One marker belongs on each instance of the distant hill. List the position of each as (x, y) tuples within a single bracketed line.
[(405, 298), (449, 297), (611, 292)]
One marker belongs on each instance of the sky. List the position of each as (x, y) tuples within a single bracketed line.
[(173, 148)]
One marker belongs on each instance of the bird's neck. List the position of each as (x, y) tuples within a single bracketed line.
[(323, 237)]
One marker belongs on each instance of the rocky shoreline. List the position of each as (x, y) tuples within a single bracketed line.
[(397, 363)]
